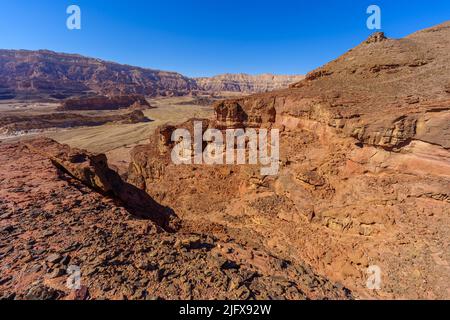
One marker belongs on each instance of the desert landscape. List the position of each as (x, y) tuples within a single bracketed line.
[(88, 180)]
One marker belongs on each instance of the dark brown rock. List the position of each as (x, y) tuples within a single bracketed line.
[(104, 103)]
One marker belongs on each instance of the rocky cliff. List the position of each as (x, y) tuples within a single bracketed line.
[(93, 171), (384, 93), (246, 83)]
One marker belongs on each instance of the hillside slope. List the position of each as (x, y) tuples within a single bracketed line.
[(46, 73)]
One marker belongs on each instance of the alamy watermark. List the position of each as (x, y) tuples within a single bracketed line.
[(73, 22), (234, 146), (74, 277), (374, 278), (374, 20)]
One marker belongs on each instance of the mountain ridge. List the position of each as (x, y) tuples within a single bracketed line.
[(49, 74), (247, 83)]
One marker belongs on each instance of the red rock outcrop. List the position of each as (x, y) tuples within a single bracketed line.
[(232, 114), (93, 171)]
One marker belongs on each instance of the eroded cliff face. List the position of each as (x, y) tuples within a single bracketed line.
[(384, 92), (364, 171), (246, 83)]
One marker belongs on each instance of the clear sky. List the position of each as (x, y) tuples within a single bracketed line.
[(208, 37)]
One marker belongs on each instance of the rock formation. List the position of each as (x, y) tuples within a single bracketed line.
[(94, 172), (365, 169), (21, 124), (105, 103), (246, 83)]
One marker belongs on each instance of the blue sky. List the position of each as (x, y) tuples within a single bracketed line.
[(208, 37)]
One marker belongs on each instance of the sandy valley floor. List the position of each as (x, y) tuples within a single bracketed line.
[(108, 138), (116, 140)]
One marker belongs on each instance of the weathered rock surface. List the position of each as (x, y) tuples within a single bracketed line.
[(52, 224), (384, 93), (364, 171), (94, 172)]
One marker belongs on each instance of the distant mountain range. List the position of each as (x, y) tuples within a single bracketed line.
[(47, 74), (247, 83)]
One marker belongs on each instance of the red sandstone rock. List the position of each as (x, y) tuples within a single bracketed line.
[(44, 212), (365, 169), (92, 170)]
